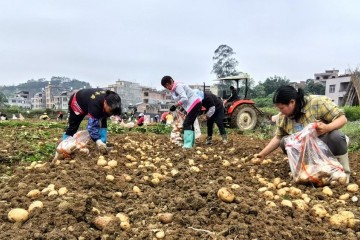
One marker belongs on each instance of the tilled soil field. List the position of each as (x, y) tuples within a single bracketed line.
[(163, 191)]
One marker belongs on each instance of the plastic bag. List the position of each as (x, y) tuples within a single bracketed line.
[(175, 135), (311, 160), (70, 144)]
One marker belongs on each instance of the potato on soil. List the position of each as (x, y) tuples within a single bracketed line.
[(226, 195), (18, 215), (166, 217), (102, 221)]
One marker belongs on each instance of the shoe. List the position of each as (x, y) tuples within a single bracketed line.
[(208, 140), (224, 138)]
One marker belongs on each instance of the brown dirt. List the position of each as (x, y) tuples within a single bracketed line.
[(190, 196)]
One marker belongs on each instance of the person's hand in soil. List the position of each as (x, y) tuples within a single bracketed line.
[(259, 156), (101, 146)]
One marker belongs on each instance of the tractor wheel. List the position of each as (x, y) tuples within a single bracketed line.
[(244, 117)]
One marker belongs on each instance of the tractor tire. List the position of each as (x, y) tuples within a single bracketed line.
[(244, 117)]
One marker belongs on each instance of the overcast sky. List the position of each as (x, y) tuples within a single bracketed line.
[(106, 40)]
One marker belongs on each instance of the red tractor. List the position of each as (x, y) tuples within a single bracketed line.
[(241, 113)]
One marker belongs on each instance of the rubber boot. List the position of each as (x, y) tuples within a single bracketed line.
[(224, 138), (189, 137), (344, 161), (208, 140), (64, 136)]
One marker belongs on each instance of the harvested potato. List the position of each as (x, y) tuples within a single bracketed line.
[(263, 189), (136, 189), (270, 204), (122, 217), (319, 211), (125, 225), (53, 193), (294, 192), (110, 178), (268, 195), (226, 195), (287, 203), (62, 191), (226, 163), (101, 162), (18, 215), (160, 234), (102, 221), (34, 194), (112, 163), (195, 169), (345, 196), (166, 217), (300, 205), (35, 204), (338, 220), (327, 191), (353, 187)]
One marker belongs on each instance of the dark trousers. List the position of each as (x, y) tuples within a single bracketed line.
[(335, 140), (217, 118), (74, 120), (191, 117)]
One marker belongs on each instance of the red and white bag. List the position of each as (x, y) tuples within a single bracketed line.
[(311, 160), (70, 144)]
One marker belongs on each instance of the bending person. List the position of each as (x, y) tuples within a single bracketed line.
[(98, 104), (298, 110), (214, 114), (184, 96)]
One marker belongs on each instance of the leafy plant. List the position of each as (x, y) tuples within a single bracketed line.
[(39, 153)]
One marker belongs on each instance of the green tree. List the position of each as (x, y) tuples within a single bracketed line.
[(258, 91), (273, 83), (225, 64), (314, 88), (3, 99)]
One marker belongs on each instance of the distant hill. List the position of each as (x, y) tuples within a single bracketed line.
[(35, 86)]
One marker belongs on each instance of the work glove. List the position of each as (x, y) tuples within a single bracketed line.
[(101, 146), (172, 108)]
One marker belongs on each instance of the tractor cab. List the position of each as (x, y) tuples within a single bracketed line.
[(241, 112), (226, 82)]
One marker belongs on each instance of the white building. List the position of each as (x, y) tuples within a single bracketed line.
[(335, 85), (21, 99), (129, 92), (336, 88), (38, 101), (328, 74), (61, 102), (154, 101)]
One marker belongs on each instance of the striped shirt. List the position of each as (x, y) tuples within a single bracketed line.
[(317, 108)]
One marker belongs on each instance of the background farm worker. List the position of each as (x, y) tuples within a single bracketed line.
[(184, 96), (163, 117), (214, 114), (156, 118), (169, 118), (233, 97), (3, 116), (44, 116), (140, 120), (298, 110), (60, 116), (98, 104)]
